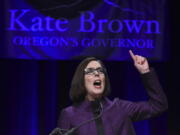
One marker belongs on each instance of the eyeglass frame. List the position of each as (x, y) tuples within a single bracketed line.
[(100, 70)]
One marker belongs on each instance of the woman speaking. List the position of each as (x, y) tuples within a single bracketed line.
[(94, 114)]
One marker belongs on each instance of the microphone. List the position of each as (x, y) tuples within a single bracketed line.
[(97, 110), (96, 106), (56, 131)]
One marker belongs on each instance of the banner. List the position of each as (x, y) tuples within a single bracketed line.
[(71, 29)]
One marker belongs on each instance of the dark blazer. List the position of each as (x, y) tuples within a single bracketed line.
[(118, 114)]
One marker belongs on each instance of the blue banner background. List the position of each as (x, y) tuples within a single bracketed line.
[(65, 31)]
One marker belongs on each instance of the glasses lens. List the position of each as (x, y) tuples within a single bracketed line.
[(89, 70), (100, 70), (92, 70)]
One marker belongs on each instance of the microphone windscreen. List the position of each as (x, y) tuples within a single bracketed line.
[(96, 107)]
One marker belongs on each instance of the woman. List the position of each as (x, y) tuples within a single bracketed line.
[(107, 117)]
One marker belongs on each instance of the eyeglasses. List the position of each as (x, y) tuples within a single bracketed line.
[(92, 71)]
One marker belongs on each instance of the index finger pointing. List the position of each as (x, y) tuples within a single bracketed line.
[(132, 55)]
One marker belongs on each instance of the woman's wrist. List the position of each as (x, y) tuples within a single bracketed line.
[(144, 71)]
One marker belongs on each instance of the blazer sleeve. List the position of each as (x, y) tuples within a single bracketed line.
[(156, 104)]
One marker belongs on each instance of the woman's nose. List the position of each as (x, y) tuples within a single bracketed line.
[(96, 73)]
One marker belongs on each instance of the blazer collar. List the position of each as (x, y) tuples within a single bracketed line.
[(86, 104)]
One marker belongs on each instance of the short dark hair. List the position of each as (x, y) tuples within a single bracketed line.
[(78, 90)]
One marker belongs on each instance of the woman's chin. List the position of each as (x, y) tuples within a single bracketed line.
[(98, 93)]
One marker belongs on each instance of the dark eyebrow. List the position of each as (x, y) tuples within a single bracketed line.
[(94, 68), (89, 68)]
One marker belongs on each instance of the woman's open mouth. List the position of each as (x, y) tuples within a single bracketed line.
[(97, 84)]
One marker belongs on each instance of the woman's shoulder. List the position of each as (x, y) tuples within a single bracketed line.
[(120, 102), (68, 109), (71, 109), (114, 100)]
